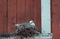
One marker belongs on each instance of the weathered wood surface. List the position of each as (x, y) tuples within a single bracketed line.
[(18, 11), (11, 15), (3, 16), (55, 19)]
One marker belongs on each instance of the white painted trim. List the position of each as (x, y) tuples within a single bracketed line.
[(45, 16)]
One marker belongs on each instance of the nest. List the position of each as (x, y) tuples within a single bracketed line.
[(27, 29), (27, 32)]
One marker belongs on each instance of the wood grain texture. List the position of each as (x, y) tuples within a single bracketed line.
[(56, 19), (3, 12), (5, 17), (1, 16), (37, 13), (11, 15), (28, 10), (20, 11)]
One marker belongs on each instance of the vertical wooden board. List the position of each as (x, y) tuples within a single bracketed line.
[(5, 17), (37, 13), (11, 15), (2, 12), (20, 11), (1, 16), (56, 19), (28, 10), (31, 10), (45, 16)]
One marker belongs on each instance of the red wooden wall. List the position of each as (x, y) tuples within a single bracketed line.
[(18, 11), (3, 16), (56, 19)]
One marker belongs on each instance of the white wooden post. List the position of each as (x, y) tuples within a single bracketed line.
[(45, 16), (46, 19)]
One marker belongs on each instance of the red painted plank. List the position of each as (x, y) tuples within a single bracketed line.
[(2, 17), (28, 10), (5, 17), (37, 13), (20, 11), (56, 19), (31, 9), (11, 15)]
